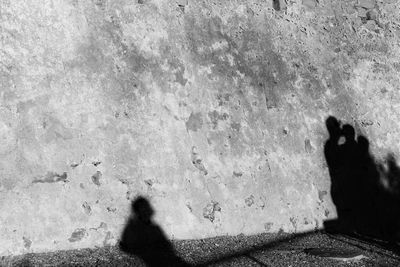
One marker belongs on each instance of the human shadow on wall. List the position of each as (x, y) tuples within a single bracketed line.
[(366, 193), (143, 238)]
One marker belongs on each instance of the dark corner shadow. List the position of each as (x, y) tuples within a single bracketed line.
[(143, 238), (366, 193)]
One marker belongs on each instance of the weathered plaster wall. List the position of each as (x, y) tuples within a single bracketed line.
[(214, 110)]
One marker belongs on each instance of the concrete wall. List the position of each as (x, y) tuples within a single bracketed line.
[(214, 110)]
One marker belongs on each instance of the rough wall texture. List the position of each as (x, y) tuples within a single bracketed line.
[(214, 110)]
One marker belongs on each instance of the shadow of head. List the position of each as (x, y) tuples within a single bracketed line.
[(333, 127), (348, 132), (142, 209)]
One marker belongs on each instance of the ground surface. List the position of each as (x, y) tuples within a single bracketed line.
[(260, 250)]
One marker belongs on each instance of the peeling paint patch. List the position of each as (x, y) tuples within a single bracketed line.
[(195, 122), (268, 226), (307, 146), (102, 226), (27, 242), (129, 195), (293, 221), (52, 177), (100, 3), (321, 195), (107, 240), (262, 203), (366, 123), (249, 201), (327, 213), (87, 208), (123, 180), (96, 163), (77, 235), (189, 207), (74, 165), (111, 209), (96, 178), (179, 76), (237, 174), (149, 182), (210, 209), (197, 161)]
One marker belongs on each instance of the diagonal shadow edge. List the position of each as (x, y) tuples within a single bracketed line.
[(268, 245), (291, 237)]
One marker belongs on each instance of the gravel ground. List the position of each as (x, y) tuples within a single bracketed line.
[(258, 250)]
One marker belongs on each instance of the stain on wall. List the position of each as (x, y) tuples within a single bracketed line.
[(77, 235), (213, 110)]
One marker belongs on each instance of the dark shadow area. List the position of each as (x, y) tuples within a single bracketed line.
[(142, 238), (366, 192)]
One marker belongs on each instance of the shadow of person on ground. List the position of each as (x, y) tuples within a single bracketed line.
[(365, 192), (142, 238)]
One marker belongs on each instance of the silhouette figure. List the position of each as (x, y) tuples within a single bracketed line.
[(141, 237), (366, 193), (349, 177), (334, 161)]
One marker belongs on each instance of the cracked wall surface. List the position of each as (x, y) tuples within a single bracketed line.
[(213, 110)]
